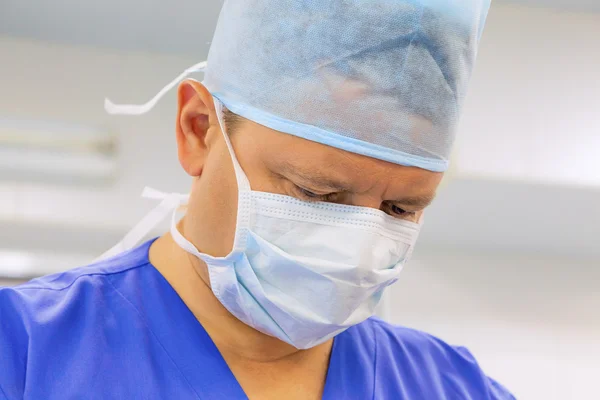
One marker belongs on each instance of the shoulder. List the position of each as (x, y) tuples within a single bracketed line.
[(36, 298), (408, 341), (64, 284), (48, 308), (433, 365)]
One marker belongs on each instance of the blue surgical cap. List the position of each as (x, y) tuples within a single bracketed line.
[(381, 78)]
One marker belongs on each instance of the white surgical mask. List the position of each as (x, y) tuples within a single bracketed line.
[(299, 271)]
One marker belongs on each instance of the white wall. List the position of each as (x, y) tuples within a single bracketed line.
[(535, 99), (43, 81), (533, 322)]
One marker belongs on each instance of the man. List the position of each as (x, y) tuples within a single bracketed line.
[(318, 137)]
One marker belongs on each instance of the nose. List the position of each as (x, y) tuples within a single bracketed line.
[(366, 200)]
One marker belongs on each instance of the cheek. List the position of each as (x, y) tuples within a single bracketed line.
[(211, 217)]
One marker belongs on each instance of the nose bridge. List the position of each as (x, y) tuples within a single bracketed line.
[(372, 194), (371, 199)]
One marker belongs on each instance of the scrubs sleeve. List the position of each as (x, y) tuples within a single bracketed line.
[(13, 344), (496, 390)]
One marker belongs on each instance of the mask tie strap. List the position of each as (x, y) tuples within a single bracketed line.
[(169, 204)]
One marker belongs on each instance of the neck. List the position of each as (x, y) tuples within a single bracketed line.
[(235, 340)]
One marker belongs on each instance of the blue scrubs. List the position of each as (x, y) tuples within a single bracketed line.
[(117, 330)]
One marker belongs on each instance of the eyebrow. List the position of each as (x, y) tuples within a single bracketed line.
[(315, 177), (321, 181), (415, 201)]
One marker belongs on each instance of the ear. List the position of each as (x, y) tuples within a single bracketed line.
[(195, 114)]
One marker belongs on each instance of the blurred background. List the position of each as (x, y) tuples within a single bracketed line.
[(509, 260)]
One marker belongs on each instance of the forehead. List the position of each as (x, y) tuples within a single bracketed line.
[(280, 151)]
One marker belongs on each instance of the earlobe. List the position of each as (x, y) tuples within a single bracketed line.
[(195, 105)]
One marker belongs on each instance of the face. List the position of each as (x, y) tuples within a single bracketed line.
[(280, 163)]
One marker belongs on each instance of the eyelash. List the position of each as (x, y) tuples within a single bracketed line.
[(307, 195), (400, 211)]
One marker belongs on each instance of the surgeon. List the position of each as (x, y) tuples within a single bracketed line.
[(315, 141)]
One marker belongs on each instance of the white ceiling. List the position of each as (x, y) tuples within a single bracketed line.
[(182, 27)]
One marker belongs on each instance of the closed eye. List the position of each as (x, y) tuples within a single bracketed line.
[(397, 211), (308, 195)]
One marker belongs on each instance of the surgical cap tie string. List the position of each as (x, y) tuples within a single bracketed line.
[(139, 109)]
